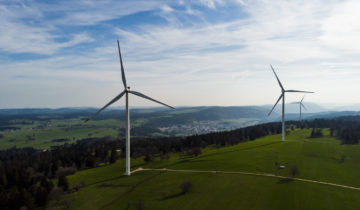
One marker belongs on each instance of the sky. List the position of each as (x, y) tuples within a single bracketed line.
[(184, 53)]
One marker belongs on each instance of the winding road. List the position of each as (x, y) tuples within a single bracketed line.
[(248, 173)]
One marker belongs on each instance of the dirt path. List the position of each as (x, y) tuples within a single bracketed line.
[(251, 174)]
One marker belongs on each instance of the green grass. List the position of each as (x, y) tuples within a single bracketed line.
[(72, 129), (317, 159), (43, 137)]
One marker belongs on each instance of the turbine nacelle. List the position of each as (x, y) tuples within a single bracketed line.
[(127, 89)]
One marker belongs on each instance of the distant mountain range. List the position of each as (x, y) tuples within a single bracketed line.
[(294, 108), (213, 112), (190, 114)]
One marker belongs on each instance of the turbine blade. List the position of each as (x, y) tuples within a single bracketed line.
[(151, 99), (275, 104), (108, 104), (298, 91), (303, 106), (122, 67), (277, 77), (302, 99)]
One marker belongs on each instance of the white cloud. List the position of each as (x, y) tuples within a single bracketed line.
[(211, 3), (312, 44), (19, 33), (31, 27), (289, 34), (165, 8), (93, 12), (341, 30)]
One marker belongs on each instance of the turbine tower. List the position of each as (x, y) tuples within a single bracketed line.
[(126, 93), (301, 105), (282, 95)]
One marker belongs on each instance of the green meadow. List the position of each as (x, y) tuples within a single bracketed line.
[(43, 134), (321, 159), (40, 135)]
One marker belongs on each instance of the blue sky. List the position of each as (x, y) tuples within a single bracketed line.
[(196, 52)]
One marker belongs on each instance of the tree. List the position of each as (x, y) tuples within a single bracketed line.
[(165, 156), (331, 132), (113, 155), (63, 183), (3, 179), (26, 199), (41, 196), (316, 133), (47, 184), (195, 151), (148, 157)]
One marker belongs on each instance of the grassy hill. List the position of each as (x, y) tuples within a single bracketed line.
[(321, 159)]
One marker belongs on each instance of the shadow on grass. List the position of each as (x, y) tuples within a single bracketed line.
[(130, 190), (173, 195), (113, 185), (106, 180), (285, 181), (123, 176)]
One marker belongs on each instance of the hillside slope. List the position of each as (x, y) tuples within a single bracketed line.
[(321, 159)]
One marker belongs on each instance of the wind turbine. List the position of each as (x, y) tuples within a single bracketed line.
[(126, 93), (301, 105), (283, 91)]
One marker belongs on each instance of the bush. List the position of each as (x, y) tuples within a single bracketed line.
[(148, 158), (316, 133), (63, 183), (113, 155), (185, 187), (56, 194), (66, 171), (194, 151), (165, 156)]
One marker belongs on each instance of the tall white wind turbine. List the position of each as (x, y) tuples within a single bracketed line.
[(282, 95), (126, 93), (301, 105)]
